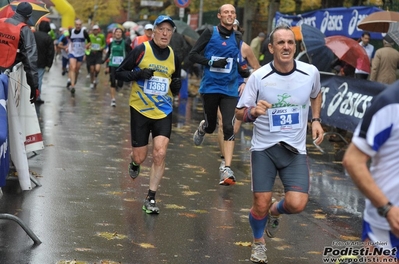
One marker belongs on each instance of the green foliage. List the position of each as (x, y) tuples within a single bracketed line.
[(108, 9), (101, 11), (208, 5), (311, 5), (287, 6)]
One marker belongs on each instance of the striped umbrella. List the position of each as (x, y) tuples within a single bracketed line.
[(38, 10)]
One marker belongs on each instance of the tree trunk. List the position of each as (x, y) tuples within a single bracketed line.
[(249, 15), (298, 6), (274, 6)]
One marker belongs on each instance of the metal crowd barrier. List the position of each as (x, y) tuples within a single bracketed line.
[(11, 217)]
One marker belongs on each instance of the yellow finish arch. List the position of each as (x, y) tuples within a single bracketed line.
[(66, 11)]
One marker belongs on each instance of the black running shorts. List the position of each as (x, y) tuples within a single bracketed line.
[(141, 127)]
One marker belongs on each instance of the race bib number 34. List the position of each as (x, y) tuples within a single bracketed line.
[(156, 86), (285, 119)]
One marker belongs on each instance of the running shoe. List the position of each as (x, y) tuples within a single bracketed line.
[(92, 86), (68, 84), (258, 253), (39, 102), (227, 177), (113, 103), (150, 207), (222, 164), (199, 134), (134, 170), (272, 222), (73, 90)]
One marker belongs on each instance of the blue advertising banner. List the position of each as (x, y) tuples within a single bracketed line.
[(345, 99), (332, 21), (4, 150)]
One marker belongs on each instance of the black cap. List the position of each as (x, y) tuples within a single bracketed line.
[(25, 9)]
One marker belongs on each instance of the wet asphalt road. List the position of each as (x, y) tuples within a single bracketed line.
[(88, 209)]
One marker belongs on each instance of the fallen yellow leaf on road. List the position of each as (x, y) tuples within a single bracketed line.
[(314, 252), (283, 247), (189, 193), (110, 236), (188, 215), (319, 216), (243, 244), (82, 249), (351, 238), (146, 245), (198, 211), (174, 206)]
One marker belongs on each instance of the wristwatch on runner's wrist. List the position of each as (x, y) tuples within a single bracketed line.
[(383, 210), (318, 119)]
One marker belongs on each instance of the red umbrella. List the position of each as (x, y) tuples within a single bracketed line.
[(349, 51)]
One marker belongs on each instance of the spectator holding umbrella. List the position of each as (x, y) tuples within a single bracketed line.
[(45, 52), (22, 40), (365, 43), (385, 62)]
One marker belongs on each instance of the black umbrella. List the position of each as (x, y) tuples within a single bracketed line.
[(189, 34), (315, 44), (202, 28)]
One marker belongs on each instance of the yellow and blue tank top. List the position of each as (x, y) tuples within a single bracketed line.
[(153, 98)]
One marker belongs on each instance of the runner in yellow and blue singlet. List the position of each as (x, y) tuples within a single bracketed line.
[(155, 74)]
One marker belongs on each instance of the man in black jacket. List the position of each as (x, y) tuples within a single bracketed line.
[(17, 44), (45, 52)]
